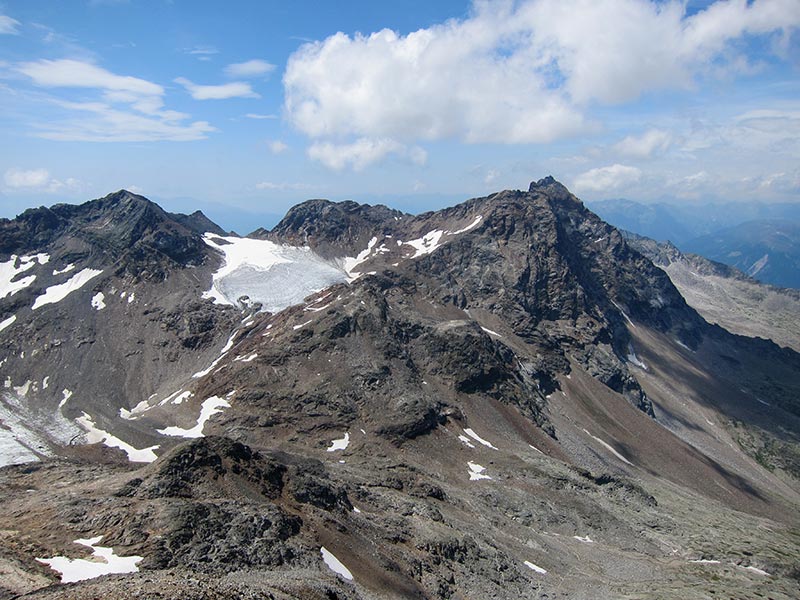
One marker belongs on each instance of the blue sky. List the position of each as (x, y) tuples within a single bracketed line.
[(243, 109)]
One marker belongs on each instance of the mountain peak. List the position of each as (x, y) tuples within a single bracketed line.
[(552, 187)]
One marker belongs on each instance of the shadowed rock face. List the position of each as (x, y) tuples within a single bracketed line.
[(122, 227), (509, 401)]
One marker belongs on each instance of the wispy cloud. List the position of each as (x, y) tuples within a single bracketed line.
[(128, 109), (75, 73), (105, 123), (277, 147), (201, 51), (235, 89), (269, 185), (260, 116), (250, 68), (9, 26)]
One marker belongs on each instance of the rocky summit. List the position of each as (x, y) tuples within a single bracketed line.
[(501, 399)]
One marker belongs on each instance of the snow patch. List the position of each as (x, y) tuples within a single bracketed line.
[(228, 345), (66, 395), (532, 447), (246, 359), (340, 444), (181, 398), (296, 327), (103, 562), (476, 471), (66, 269), (609, 448), (98, 301), (490, 332), (472, 225), (350, 262), (23, 389), (705, 561), (10, 269), (95, 435), (585, 540), (536, 568), (466, 441), (136, 411), (479, 439), (45, 382), (334, 564), (758, 265), (426, 244), (624, 314), (56, 293), (210, 407), (7, 322), (756, 570), (634, 360)]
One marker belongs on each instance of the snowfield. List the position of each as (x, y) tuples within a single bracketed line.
[(536, 568), (10, 269), (275, 275), (334, 564), (479, 439), (340, 444), (56, 293), (7, 322), (105, 562), (21, 434), (279, 276), (95, 435), (476, 472), (210, 407)]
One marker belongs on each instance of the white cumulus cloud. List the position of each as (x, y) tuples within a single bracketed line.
[(605, 179), (8, 26), (362, 153), (517, 72), (651, 142), (250, 68), (35, 180), (235, 89)]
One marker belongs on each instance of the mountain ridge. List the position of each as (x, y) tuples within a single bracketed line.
[(500, 384)]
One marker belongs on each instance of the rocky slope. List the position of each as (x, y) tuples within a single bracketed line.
[(503, 399), (725, 295)]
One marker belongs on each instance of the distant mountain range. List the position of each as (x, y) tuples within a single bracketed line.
[(768, 250), (762, 240)]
